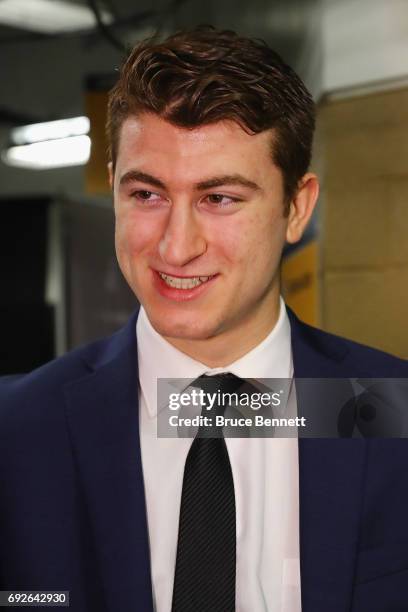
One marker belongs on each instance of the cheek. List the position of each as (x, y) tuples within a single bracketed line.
[(255, 243), (133, 235)]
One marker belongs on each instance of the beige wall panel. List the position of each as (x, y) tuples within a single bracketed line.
[(398, 212), (365, 137), (359, 157), (366, 226), (382, 110), (369, 307), (364, 219)]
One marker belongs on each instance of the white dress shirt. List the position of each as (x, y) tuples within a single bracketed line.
[(265, 473)]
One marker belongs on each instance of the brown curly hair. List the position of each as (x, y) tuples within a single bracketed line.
[(205, 75)]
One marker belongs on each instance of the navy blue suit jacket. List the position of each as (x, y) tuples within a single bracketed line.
[(72, 506)]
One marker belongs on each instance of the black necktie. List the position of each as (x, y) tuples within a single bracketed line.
[(205, 565)]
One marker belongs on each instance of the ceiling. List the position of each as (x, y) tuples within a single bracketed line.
[(120, 10)]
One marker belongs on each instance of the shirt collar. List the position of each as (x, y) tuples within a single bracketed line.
[(157, 358)]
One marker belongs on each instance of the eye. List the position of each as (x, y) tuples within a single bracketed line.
[(146, 197), (220, 200)]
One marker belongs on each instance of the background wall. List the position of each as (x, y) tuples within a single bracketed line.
[(363, 125), (365, 219), (365, 41)]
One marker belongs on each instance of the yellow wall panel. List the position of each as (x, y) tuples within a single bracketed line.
[(300, 287)]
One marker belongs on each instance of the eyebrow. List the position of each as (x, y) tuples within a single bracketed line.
[(136, 175), (216, 181)]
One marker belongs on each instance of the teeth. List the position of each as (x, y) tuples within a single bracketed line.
[(184, 283)]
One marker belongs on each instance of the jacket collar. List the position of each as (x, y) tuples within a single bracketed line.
[(316, 354)]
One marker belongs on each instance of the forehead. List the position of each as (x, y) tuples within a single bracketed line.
[(148, 140)]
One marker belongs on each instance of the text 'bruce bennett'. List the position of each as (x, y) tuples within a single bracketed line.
[(221, 421)]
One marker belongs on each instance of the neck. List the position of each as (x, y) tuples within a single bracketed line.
[(226, 347)]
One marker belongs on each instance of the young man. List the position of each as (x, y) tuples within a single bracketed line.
[(211, 139)]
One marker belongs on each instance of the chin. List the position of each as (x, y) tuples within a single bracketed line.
[(181, 328)]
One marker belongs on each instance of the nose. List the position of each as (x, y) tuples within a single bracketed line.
[(183, 239)]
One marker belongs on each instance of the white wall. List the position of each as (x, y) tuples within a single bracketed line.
[(364, 41)]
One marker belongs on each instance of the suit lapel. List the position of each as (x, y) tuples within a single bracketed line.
[(331, 478), (102, 416)]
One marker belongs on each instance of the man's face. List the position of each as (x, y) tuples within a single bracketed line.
[(197, 204)]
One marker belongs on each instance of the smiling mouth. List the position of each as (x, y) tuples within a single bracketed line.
[(184, 283)]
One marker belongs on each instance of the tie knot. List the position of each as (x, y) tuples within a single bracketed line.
[(225, 381), (216, 398)]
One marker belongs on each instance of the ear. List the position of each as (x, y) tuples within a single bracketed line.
[(301, 207), (110, 174)]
